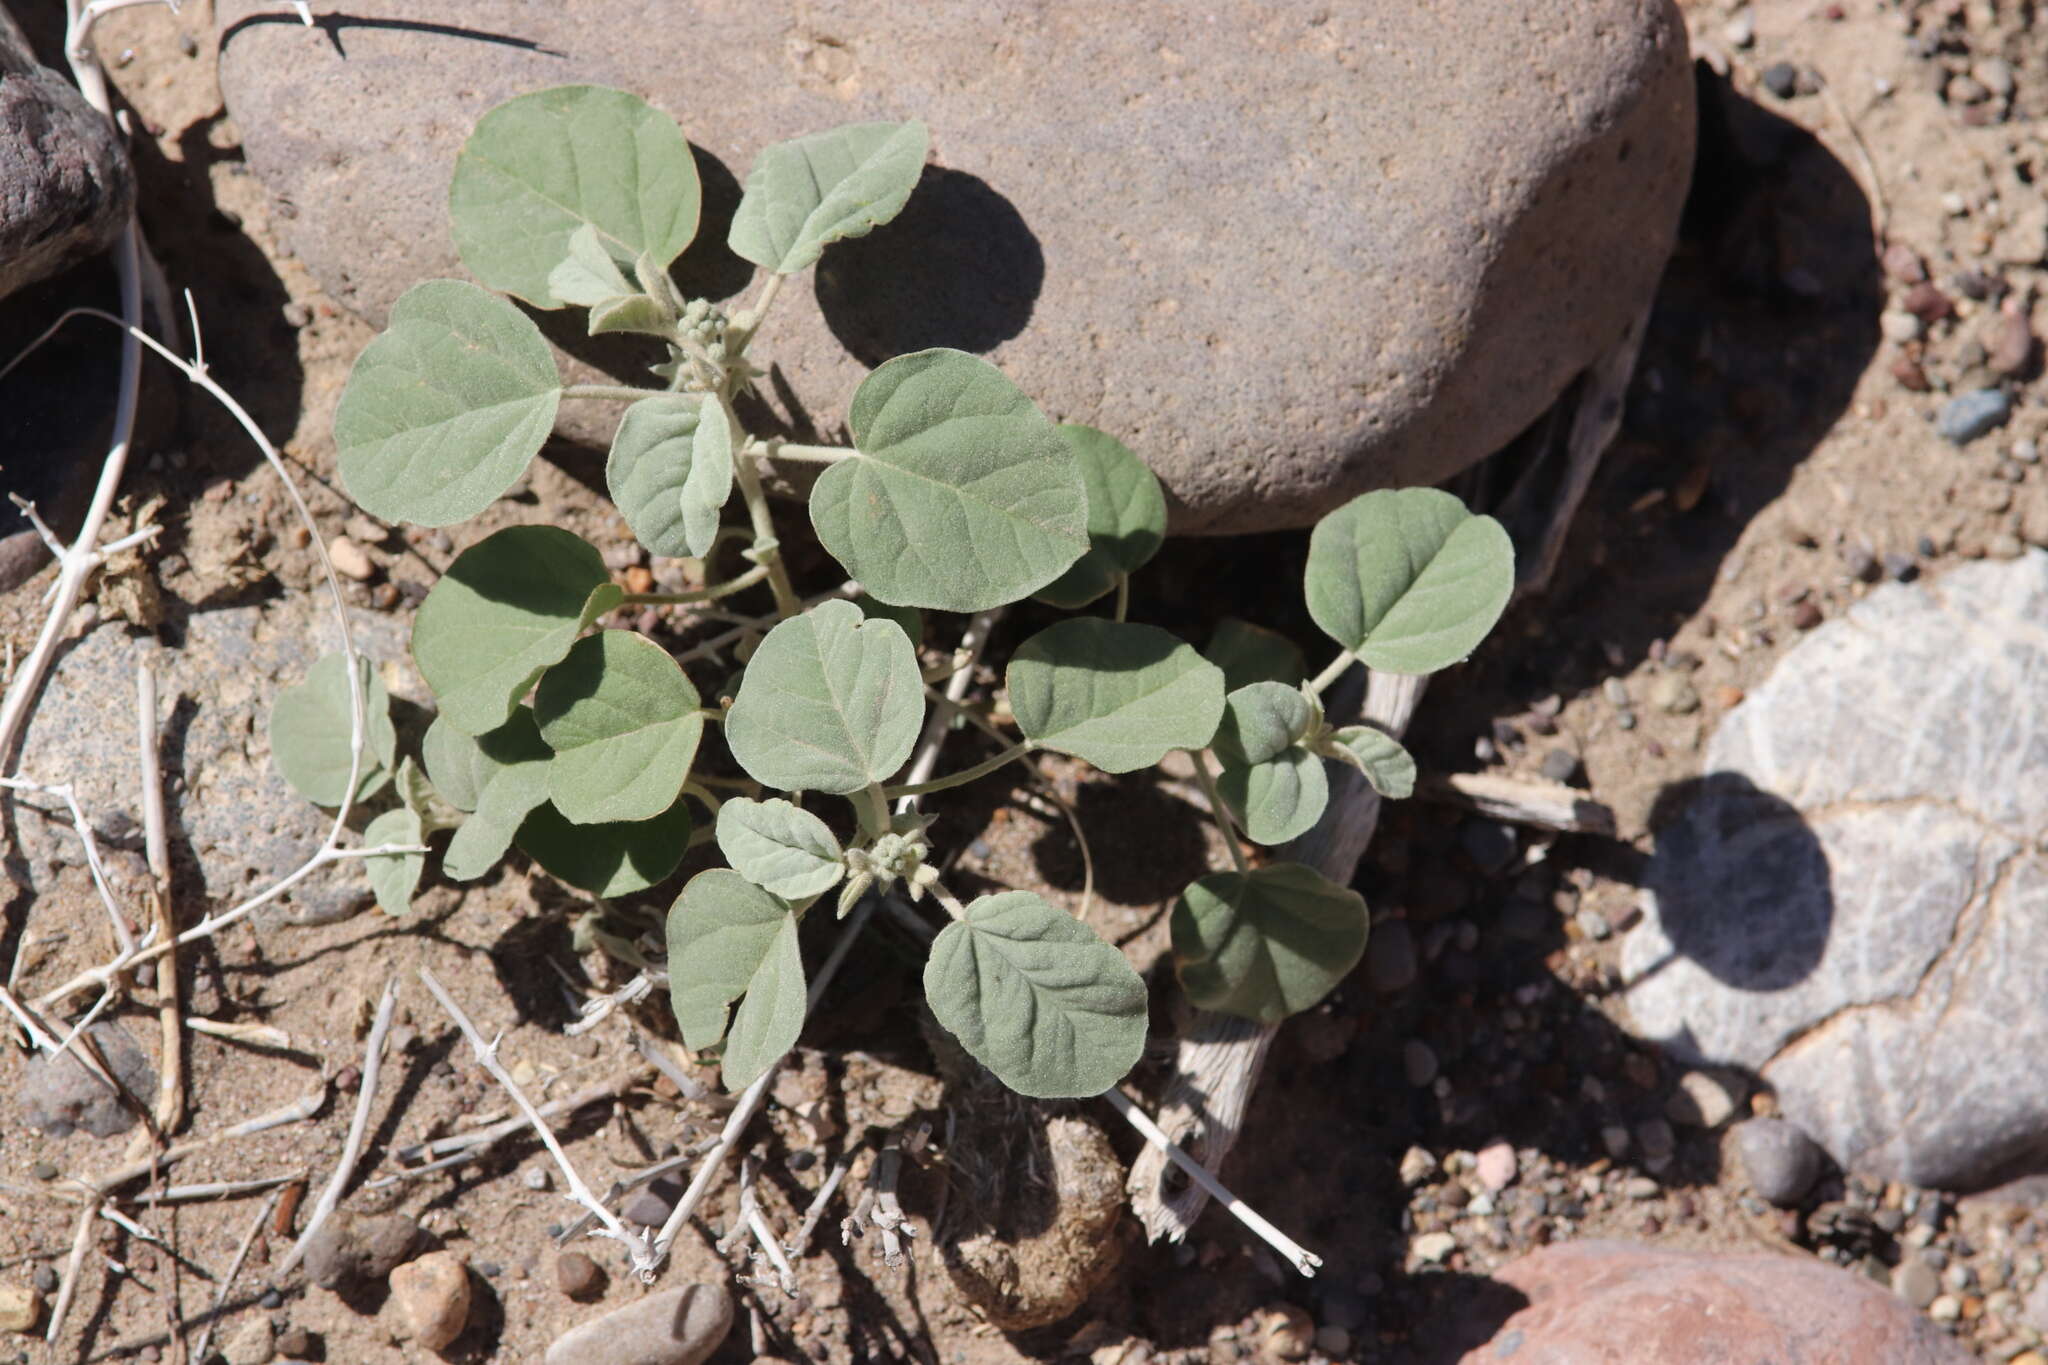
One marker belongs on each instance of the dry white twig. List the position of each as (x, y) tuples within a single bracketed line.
[(644, 1259), (81, 1240), (358, 1128), (227, 1281), (801, 1243)]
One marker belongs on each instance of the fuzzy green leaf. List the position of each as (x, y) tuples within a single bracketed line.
[(1408, 579), (508, 607), (1276, 787), (310, 725), (499, 777), (727, 938), (395, 876), (1279, 798), (1126, 518), (1119, 695), (607, 860), (588, 276), (779, 847), (963, 496), (1247, 654), (1268, 943), (830, 702), (651, 461), (624, 723), (445, 409), (806, 194), (541, 166), (632, 313), (417, 794), (1036, 997), (1386, 765)]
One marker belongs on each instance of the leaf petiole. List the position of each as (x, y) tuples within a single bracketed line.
[(617, 393), (773, 449), (1225, 821), (717, 590), (963, 777), (1338, 667)]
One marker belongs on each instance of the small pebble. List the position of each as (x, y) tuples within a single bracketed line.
[(577, 1276), (1390, 963), (1593, 925), (536, 1178), (252, 1343), (349, 559), (296, 1343), (1433, 1247), (46, 1279), (1926, 302), (433, 1297), (297, 315), (651, 1205), (490, 1270), (1495, 1166), (1903, 264), (1995, 74), (1782, 80), (2026, 451), (1740, 31), (270, 1299), (1419, 1061), (1946, 1308), (43, 1170), (1781, 1161), (1616, 691), (1675, 694), (188, 45), (1900, 326), (1909, 375), (1963, 419), (1965, 90), (1640, 1187), (1806, 615), (1562, 765), (1900, 567)]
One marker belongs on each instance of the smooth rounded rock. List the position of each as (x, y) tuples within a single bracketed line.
[(679, 1326), (1287, 254), (69, 185), (1849, 902), (433, 1296), (351, 1249), (1619, 1303), (1780, 1161)]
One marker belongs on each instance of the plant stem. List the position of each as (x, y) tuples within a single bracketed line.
[(767, 549), (791, 450), (617, 393), (1225, 821), (717, 590), (1338, 667), (1123, 595), (771, 289), (964, 776), (873, 807)]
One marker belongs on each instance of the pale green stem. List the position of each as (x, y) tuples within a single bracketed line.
[(717, 590), (873, 808), (1336, 670), (1225, 821), (766, 546), (947, 899), (617, 393), (1123, 595), (791, 450), (736, 342), (963, 777), (695, 788)]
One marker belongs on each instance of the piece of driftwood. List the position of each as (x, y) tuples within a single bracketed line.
[(1527, 801), (1218, 1057)]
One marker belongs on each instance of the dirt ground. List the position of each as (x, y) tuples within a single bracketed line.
[(1778, 459)]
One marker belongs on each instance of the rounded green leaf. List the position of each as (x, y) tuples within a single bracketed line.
[(1268, 943), (624, 723), (395, 876), (1279, 798), (670, 472), (1387, 766), (1036, 997), (1408, 579), (607, 860), (779, 847), (806, 194), (1126, 518), (446, 407), (1119, 695), (1247, 654), (1262, 721), (310, 727), (508, 607), (830, 702), (728, 938), (589, 276), (963, 497), (541, 166), (499, 777)]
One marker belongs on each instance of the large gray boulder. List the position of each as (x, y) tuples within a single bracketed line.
[(65, 183), (1289, 253), (1854, 901)]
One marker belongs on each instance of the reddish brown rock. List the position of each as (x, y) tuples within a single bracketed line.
[(1618, 1303)]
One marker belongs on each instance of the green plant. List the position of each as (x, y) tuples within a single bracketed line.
[(956, 495)]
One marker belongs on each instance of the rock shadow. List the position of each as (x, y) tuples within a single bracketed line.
[(959, 267), (1764, 323), (1742, 883)]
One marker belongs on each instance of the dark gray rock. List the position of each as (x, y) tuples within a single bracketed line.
[(61, 1097), (66, 186), (1850, 901), (1390, 963), (1781, 1161), (1964, 418), (1287, 253), (353, 1249)]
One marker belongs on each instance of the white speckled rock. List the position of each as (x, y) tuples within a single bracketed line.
[(679, 1326), (1288, 253), (1851, 901)]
